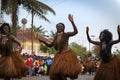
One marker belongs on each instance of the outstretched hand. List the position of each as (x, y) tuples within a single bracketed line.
[(87, 29), (70, 17), (36, 35)]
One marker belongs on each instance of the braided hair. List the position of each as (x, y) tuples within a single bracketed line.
[(107, 35)]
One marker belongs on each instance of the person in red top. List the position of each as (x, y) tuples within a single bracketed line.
[(29, 63)]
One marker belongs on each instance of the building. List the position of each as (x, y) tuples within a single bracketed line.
[(26, 39)]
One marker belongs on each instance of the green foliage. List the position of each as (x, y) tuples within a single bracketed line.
[(46, 49), (51, 50), (95, 50), (79, 49), (43, 48), (13, 30)]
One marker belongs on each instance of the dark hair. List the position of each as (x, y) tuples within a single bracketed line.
[(60, 24), (3, 25), (107, 35)]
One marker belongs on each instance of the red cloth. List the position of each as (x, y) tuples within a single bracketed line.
[(29, 62)]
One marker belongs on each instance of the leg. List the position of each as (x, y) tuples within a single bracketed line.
[(63, 77), (54, 77), (57, 77), (7, 78)]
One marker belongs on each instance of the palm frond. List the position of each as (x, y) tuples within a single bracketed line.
[(37, 5)]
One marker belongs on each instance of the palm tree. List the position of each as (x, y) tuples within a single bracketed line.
[(40, 29), (52, 35), (12, 7)]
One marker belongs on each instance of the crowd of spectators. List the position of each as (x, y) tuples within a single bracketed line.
[(40, 65), (37, 65)]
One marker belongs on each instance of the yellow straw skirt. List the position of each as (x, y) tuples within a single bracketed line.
[(110, 70), (12, 66), (65, 63)]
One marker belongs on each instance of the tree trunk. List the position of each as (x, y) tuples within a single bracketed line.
[(14, 17)]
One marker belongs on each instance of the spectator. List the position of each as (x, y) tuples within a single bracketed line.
[(29, 63), (48, 63)]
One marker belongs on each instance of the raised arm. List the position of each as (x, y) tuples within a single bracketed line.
[(89, 39), (70, 17), (118, 40), (46, 41)]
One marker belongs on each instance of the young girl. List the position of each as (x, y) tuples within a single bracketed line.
[(11, 63), (65, 63), (109, 68)]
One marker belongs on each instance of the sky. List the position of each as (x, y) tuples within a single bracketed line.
[(97, 14)]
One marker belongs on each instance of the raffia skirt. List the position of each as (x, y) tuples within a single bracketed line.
[(110, 70), (12, 66), (65, 63)]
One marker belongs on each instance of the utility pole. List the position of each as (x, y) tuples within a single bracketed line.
[(93, 36), (24, 21), (32, 31), (89, 42)]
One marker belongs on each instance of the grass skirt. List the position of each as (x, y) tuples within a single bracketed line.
[(12, 66), (65, 63), (110, 70)]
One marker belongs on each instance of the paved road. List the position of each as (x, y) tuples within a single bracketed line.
[(81, 77)]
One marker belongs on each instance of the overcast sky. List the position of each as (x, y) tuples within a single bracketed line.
[(97, 14)]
